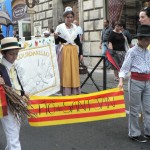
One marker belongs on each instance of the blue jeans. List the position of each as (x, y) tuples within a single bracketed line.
[(104, 48)]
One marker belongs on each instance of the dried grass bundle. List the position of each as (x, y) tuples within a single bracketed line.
[(18, 105)]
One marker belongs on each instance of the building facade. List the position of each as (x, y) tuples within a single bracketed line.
[(90, 13)]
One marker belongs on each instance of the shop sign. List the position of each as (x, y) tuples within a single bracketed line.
[(19, 12)]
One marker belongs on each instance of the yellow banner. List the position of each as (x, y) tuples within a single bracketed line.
[(56, 110)]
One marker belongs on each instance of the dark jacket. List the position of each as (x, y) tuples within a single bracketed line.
[(105, 34), (5, 76)]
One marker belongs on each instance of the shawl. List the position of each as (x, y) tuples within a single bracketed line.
[(64, 33)]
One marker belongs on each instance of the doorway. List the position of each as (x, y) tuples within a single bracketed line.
[(74, 5), (25, 29), (130, 14), (126, 11)]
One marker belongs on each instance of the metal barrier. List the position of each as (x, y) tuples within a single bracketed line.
[(102, 58)]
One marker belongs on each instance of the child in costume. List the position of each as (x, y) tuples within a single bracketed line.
[(137, 61), (11, 126)]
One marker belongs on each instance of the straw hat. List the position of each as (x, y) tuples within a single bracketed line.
[(9, 43)]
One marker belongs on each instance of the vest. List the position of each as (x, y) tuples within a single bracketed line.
[(5, 76)]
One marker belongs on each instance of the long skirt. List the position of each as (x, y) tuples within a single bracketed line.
[(69, 70), (118, 58)]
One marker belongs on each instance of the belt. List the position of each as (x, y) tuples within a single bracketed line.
[(140, 76)]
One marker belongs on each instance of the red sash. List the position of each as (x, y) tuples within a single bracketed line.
[(140, 76)]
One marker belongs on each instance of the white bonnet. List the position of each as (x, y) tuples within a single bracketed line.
[(68, 8)]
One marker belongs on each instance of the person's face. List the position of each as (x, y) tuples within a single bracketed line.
[(105, 23), (11, 55), (118, 28), (144, 42), (69, 19), (143, 18)]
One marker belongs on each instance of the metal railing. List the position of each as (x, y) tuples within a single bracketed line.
[(102, 59)]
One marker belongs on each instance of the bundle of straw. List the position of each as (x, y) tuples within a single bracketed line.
[(17, 104)]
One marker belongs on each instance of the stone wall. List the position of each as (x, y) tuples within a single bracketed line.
[(93, 14), (44, 14)]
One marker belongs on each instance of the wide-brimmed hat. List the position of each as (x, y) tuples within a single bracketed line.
[(9, 43), (143, 31)]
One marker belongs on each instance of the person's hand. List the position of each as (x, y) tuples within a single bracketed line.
[(56, 34), (120, 84), (81, 58), (26, 97), (2, 81)]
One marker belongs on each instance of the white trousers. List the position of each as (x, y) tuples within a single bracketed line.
[(12, 129)]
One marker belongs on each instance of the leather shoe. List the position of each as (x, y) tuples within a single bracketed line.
[(147, 136), (140, 138)]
